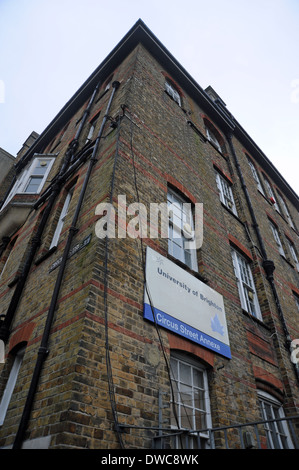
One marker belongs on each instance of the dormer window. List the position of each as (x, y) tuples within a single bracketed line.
[(170, 89)]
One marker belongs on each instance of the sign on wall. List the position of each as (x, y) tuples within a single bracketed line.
[(181, 303)]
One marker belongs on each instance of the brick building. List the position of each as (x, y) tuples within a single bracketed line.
[(142, 339)]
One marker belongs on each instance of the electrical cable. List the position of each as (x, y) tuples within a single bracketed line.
[(168, 366), (108, 361)]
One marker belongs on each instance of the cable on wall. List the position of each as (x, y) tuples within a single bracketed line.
[(105, 282), (168, 366)]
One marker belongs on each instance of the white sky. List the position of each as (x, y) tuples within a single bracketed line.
[(247, 50)]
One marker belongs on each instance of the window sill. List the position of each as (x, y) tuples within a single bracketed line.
[(203, 138), (269, 202), (290, 263), (256, 319), (45, 255), (102, 95), (295, 230), (232, 213), (219, 151), (14, 281)]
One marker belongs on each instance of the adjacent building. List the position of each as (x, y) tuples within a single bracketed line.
[(149, 278), (6, 164)]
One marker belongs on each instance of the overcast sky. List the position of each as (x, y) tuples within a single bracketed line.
[(247, 50)]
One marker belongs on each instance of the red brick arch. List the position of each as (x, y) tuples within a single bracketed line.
[(179, 343), (22, 335), (173, 182)]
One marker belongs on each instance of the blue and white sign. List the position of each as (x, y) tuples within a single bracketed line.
[(184, 305)]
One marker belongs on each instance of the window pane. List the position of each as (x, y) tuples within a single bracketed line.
[(277, 431), (174, 368), (187, 259), (180, 213), (186, 395), (173, 93), (187, 417), (173, 421), (185, 373), (176, 391), (33, 184), (176, 250), (198, 379), (199, 399), (191, 400), (200, 420), (41, 167)]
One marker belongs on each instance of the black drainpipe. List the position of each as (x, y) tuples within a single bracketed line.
[(4, 244), (36, 240), (43, 349), (268, 264)]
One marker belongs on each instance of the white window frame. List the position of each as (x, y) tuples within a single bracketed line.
[(286, 210), (24, 178), (271, 408), (246, 286), (183, 388), (10, 385), (181, 233), (277, 239), (293, 253), (271, 194), (255, 176), (92, 123), (212, 138), (226, 193), (62, 217), (170, 89)]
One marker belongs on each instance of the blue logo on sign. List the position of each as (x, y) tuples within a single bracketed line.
[(216, 325)]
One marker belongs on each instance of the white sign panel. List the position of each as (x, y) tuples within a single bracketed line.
[(183, 304)]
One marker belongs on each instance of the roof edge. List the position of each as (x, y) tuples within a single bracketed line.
[(140, 33)]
